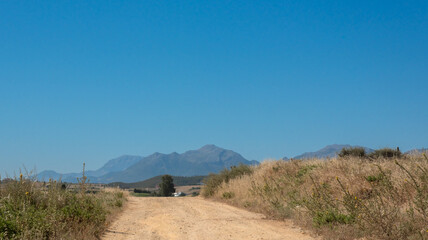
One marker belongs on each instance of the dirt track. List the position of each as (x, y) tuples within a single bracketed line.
[(195, 219)]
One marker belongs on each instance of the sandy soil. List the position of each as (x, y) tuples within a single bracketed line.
[(196, 219)]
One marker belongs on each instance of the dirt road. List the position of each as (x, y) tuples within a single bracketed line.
[(195, 219)]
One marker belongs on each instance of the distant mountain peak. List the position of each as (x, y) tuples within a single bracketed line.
[(210, 147), (207, 159), (335, 146), (328, 151)]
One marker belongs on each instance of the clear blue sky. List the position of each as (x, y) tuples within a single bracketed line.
[(87, 81)]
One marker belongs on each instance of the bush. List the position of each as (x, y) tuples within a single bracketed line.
[(352, 152), (141, 191), (213, 181), (34, 210), (194, 194), (228, 195), (386, 153)]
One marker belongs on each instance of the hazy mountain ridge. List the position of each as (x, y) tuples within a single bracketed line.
[(113, 165), (417, 150), (328, 151), (208, 159), (331, 151)]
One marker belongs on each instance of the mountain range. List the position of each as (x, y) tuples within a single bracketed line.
[(208, 159)]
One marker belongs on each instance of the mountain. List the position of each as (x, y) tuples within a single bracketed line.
[(416, 151), (114, 165), (46, 175), (208, 159), (128, 169), (328, 151)]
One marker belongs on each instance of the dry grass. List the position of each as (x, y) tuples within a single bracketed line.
[(35, 210), (343, 198)]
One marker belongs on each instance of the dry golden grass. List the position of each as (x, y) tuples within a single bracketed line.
[(341, 198)]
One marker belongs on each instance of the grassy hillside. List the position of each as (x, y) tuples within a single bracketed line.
[(342, 198), (36, 210), (154, 181)]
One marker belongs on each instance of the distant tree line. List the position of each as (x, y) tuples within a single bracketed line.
[(361, 153), (155, 181)]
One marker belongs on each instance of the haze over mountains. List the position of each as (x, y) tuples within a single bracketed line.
[(208, 159), (420, 150), (114, 165), (328, 151)]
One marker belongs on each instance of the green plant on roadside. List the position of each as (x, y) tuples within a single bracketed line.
[(325, 210), (34, 210), (373, 178), (228, 195)]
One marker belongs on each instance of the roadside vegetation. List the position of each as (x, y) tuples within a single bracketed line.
[(155, 181), (36, 210), (381, 195)]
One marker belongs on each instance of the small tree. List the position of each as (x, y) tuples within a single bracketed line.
[(352, 151), (386, 153), (166, 188)]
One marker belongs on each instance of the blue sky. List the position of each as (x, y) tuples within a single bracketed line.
[(87, 81)]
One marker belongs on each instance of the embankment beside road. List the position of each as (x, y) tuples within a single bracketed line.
[(340, 198)]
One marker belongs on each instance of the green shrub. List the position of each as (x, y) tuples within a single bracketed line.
[(305, 170), (352, 152), (119, 194), (8, 228), (331, 217), (372, 178), (141, 191), (228, 195), (118, 203), (386, 153)]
